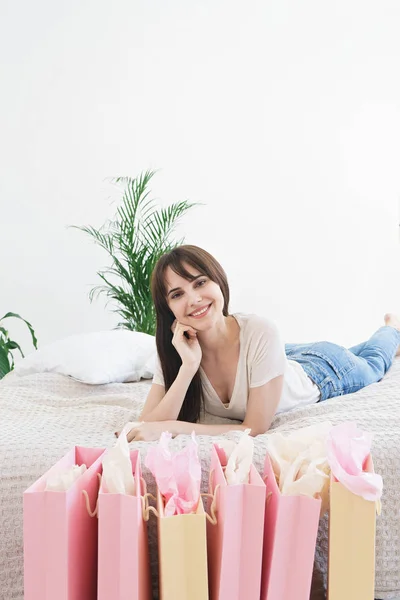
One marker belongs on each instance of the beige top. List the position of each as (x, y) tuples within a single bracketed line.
[(261, 358)]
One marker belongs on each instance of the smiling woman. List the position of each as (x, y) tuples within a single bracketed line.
[(236, 365)]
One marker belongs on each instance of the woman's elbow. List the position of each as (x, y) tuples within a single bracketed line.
[(257, 430)]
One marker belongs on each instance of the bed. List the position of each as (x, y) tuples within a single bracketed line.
[(44, 415)]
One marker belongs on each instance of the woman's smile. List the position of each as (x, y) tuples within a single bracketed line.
[(200, 313)]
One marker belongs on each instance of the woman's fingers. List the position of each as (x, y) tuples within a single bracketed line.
[(131, 435), (179, 329), (192, 332)]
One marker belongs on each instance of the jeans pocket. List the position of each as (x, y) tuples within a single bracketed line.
[(337, 357)]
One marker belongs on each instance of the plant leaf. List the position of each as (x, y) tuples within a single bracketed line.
[(11, 345), (11, 314), (4, 364), (134, 239)]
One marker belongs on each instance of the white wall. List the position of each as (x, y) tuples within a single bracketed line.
[(283, 117)]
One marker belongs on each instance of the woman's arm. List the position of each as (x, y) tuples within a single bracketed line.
[(150, 431), (177, 427), (161, 406), (261, 407)]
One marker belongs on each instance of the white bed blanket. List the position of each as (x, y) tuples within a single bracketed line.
[(44, 415)]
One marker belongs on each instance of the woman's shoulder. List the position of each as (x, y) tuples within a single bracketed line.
[(255, 324), (261, 338)]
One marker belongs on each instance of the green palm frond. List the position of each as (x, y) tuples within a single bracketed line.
[(134, 239)]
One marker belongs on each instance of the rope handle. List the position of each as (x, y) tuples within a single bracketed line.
[(144, 486), (146, 508), (268, 499), (213, 496), (212, 518), (95, 512), (378, 506)]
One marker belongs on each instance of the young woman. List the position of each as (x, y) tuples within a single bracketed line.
[(235, 365)]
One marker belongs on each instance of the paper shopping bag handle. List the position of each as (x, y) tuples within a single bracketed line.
[(146, 508), (145, 502), (378, 505), (95, 512), (213, 495), (265, 477), (212, 518)]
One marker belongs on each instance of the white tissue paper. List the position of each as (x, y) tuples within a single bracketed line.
[(117, 467), (62, 481), (300, 463), (240, 458)]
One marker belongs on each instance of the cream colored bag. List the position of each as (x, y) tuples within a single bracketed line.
[(182, 554), (351, 566)]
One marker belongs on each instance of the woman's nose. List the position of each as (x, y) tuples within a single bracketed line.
[(195, 298)]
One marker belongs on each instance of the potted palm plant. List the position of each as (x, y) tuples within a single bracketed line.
[(134, 240)]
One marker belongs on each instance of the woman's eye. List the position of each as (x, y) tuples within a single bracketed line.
[(198, 283)]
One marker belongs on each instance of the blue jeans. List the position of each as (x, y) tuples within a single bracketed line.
[(337, 370)]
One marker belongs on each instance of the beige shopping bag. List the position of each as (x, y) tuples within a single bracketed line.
[(351, 564), (182, 554)]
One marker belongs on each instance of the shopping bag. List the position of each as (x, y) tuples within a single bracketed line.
[(351, 559), (123, 559), (235, 533), (182, 553), (290, 534), (60, 538)]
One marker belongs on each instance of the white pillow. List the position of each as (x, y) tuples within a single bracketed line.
[(150, 366), (101, 357)]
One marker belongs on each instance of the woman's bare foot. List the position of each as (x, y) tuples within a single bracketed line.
[(393, 321)]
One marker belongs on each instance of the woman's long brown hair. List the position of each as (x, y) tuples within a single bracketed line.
[(170, 360)]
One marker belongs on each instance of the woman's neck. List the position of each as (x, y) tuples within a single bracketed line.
[(219, 339)]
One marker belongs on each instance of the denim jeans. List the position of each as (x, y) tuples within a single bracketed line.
[(337, 370)]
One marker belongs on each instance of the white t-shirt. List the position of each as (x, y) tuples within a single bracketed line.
[(261, 358)]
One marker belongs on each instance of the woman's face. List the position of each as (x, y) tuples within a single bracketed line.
[(198, 303)]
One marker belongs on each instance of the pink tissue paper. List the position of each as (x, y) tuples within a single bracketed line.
[(348, 449), (178, 475)]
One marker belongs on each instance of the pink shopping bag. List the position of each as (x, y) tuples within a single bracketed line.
[(123, 563), (290, 534), (60, 538), (235, 539)]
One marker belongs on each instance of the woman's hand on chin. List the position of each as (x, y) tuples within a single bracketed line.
[(149, 431)]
